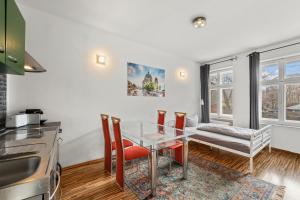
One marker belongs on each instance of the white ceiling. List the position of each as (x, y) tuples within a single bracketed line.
[(233, 25)]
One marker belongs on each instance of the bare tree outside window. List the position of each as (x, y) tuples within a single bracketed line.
[(214, 101), (227, 101), (221, 92), (270, 102), (293, 102)]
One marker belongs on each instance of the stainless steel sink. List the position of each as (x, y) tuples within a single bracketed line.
[(14, 170), (28, 164)]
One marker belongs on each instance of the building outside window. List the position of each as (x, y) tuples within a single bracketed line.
[(221, 93), (280, 90)]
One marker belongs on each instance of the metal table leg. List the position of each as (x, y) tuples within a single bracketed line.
[(141, 133), (153, 170), (185, 157)]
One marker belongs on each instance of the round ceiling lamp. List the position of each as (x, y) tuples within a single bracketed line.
[(199, 22)]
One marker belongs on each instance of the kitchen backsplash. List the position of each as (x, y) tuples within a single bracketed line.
[(2, 100)]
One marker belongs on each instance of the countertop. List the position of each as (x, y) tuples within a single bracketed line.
[(31, 138), (29, 135), (44, 126)]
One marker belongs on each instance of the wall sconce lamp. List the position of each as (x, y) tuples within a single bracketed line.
[(182, 74), (100, 59)]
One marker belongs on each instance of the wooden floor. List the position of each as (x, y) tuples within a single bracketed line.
[(89, 181)]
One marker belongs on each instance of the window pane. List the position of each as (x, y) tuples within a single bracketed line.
[(270, 102), (213, 80), (227, 101), (270, 72), (214, 101), (292, 69), (293, 102), (226, 77)]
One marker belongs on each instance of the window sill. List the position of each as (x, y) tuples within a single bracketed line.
[(281, 124), (222, 120)]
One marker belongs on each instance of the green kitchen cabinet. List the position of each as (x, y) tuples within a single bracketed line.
[(12, 38), (15, 39), (2, 32)]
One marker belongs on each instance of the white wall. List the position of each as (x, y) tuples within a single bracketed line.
[(284, 137), (75, 90)]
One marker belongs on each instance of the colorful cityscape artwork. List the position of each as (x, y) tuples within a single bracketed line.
[(145, 81)]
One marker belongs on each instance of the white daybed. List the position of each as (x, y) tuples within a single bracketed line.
[(241, 141)]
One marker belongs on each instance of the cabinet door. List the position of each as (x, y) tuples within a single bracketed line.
[(15, 39), (2, 32)]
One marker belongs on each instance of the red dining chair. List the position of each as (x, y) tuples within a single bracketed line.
[(109, 145), (178, 147), (125, 154), (161, 123), (161, 117), (161, 120)]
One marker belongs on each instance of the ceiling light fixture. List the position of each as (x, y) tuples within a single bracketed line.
[(199, 22)]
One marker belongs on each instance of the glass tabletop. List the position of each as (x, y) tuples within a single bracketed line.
[(151, 134)]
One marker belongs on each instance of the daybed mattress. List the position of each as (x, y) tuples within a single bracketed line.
[(226, 141)]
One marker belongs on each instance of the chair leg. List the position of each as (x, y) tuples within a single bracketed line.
[(170, 160)]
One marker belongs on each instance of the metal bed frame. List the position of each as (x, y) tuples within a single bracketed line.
[(263, 133)]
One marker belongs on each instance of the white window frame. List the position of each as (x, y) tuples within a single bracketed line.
[(219, 87), (282, 82)]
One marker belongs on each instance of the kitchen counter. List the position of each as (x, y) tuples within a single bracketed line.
[(44, 126), (33, 142)]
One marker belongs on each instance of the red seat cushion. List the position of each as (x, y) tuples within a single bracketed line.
[(126, 143), (135, 152), (177, 145)]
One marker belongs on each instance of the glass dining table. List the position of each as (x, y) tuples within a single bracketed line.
[(156, 137)]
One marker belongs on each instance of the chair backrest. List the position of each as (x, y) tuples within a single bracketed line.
[(180, 122), (107, 142), (120, 151), (161, 117), (161, 120), (105, 127)]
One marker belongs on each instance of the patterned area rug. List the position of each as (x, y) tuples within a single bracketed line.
[(206, 180)]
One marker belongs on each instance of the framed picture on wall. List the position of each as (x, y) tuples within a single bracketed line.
[(143, 80)]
